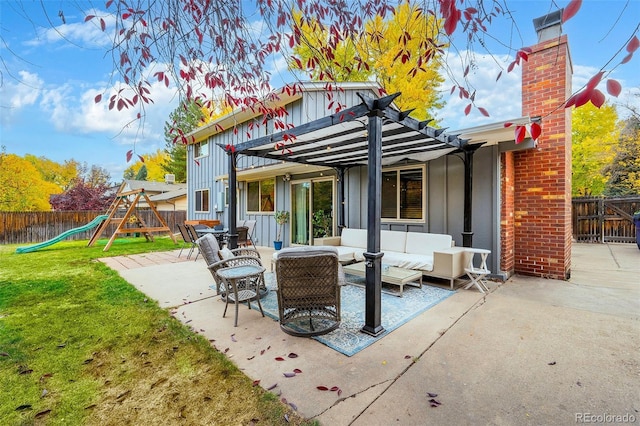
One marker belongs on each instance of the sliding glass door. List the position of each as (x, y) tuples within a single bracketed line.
[(311, 210)]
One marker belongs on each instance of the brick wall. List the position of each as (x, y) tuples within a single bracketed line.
[(542, 176)]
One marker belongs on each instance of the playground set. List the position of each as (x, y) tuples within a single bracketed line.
[(126, 202)]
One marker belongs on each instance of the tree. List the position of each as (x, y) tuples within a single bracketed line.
[(60, 174), (379, 45), (624, 171), (23, 188), (211, 47), (595, 135), (83, 196), (152, 169), (183, 119)]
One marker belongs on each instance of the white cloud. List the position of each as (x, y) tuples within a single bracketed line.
[(501, 99), (16, 95), (87, 34)]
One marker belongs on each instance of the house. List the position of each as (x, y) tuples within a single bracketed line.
[(167, 196), (475, 184)]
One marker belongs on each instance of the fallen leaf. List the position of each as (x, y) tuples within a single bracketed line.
[(23, 407), (289, 374), (251, 357), (272, 386), (551, 363), (4, 354), (322, 388), (434, 403), (42, 413), (256, 382), (294, 406), (292, 355), (407, 357), (279, 358), (233, 338), (297, 370), (44, 393), (432, 395)]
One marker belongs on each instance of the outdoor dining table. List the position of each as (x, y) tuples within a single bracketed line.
[(220, 234), (248, 273)]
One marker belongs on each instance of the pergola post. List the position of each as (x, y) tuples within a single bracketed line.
[(233, 200), (373, 256), (467, 233), (341, 173)]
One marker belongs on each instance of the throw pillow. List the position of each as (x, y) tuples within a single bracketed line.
[(225, 253)]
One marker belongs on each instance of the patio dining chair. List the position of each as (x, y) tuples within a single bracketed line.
[(309, 281), (243, 236), (191, 229), (189, 241)]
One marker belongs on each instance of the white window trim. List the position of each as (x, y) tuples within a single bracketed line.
[(196, 149), (423, 168), (275, 194), (195, 204)]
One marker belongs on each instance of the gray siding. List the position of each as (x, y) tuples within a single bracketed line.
[(444, 185)]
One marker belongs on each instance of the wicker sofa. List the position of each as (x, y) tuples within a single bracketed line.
[(433, 254)]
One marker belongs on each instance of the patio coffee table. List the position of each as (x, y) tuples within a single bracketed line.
[(390, 275)]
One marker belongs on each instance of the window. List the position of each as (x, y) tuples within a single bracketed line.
[(202, 200), (260, 195), (402, 194), (201, 149)]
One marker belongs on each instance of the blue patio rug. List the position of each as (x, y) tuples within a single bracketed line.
[(396, 311)]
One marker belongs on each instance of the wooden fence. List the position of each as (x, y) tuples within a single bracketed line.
[(35, 227), (604, 220)]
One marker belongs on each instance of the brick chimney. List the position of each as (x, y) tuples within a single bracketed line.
[(536, 183)]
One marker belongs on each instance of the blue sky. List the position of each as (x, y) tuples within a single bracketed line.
[(49, 82)]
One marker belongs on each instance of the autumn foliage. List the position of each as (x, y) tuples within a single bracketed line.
[(211, 49)]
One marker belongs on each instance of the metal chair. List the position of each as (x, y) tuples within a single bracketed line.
[(188, 240), (243, 233), (309, 281), (194, 237)]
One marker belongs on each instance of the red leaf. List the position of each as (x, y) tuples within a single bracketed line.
[(520, 133), (613, 87), (597, 98), (508, 124), (141, 158), (256, 382), (98, 98), (535, 131), (279, 358), (626, 58), (129, 155), (103, 25), (322, 388), (483, 112), (334, 389), (595, 80), (89, 17), (297, 370), (633, 45), (571, 9), (292, 355), (467, 109)]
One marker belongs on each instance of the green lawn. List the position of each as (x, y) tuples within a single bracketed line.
[(79, 345)]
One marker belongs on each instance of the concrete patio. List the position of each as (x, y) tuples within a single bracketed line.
[(532, 350)]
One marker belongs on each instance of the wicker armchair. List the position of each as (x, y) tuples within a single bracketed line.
[(210, 250), (309, 281)]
